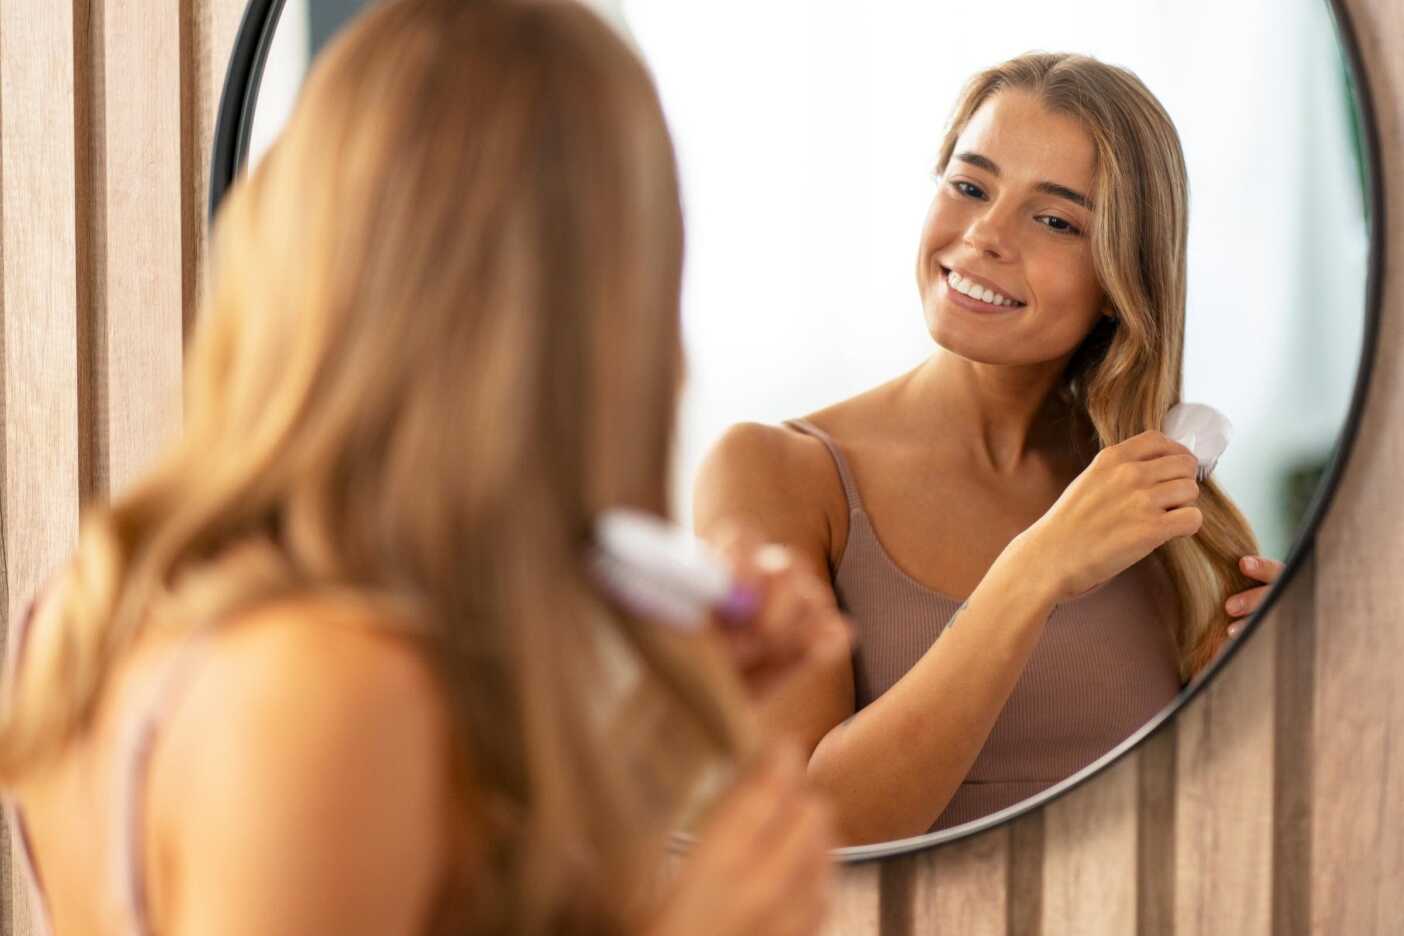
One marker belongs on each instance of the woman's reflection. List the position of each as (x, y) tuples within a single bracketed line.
[(1008, 496)]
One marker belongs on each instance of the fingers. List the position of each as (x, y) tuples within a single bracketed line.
[(1261, 569), (829, 646), (789, 601), (1246, 602), (737, 545), (795, 602), (1170, 468), (796, 623), (1185, 521), (1169, 495), (762, 861), (1152, 444)]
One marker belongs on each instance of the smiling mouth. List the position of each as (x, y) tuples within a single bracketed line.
[(977, 292)]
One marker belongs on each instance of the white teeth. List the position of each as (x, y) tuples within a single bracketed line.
[(974, 291)]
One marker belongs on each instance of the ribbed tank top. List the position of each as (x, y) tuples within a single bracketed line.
[(1104, 665)]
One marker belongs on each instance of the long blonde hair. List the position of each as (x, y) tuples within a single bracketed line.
[(1128, 371), (442, 336)]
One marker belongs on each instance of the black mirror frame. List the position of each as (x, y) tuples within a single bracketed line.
[(231, 142)]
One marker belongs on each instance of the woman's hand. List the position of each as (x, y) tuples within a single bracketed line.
[(795, 623), (761, 863), (1133, 498), (1239, 606)]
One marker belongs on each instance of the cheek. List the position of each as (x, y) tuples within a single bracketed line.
[(937, 231), (1069, 289)]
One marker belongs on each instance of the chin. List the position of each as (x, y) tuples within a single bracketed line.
[(991, 347)]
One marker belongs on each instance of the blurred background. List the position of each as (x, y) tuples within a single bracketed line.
[(807, 131)]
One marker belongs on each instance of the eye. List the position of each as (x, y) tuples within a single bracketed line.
[(968, 189), (1060, 225)]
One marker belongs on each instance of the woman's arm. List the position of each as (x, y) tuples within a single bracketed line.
[(896, 764), (300, 787), (892, 768), (771, 484)]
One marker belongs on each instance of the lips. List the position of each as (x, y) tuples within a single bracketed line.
[(979, 290)]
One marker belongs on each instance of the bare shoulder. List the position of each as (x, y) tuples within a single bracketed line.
[(775, 480), (305, 769), (312, 664), (767, 456)]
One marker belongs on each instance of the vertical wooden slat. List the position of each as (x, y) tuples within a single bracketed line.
[(1024, 916), (38, 295), (1155, 835), (895, 898), (1224, 797), (1357, 858), (1089, 872), (140, 201), (855, 907), (89, 259), (961, 889), (102, 201), (102, 234), (207, 29), (1294, 619)]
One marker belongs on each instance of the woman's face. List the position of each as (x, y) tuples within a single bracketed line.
[(1010, 223)]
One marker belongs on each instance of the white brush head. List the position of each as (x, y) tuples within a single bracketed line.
[(1203, 430), (658, 570)]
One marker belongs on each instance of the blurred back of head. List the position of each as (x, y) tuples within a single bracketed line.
[(441, 335)]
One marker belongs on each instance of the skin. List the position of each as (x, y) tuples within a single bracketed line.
[(1244, 603), (966, 468), (244, 832)]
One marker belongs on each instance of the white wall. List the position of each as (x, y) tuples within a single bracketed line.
[(807, 132)]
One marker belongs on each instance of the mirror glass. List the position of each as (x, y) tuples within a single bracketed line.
[(808, 137)]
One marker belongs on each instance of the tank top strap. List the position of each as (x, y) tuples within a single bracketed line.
[(20, 627), (138, 740), (850, 487), (18, 638)]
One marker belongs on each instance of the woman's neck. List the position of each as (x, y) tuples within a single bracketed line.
[(1001, 415)]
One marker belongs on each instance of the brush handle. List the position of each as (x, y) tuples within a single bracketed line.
[(660, 570)]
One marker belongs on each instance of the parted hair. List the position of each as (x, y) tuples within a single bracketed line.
[(1127, 374)]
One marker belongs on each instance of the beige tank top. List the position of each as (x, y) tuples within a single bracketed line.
[(1105, 664)]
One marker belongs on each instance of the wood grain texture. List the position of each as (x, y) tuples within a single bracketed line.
[(1295, 623), (856, 897), (1089, 869), (1155, 835), (960, 889), (38, 296), (140, 297), (1357, 838), (99, 135), (1224, 797), (207, 29), (1281, 787)]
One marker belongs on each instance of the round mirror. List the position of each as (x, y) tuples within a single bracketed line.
[(914, 261)]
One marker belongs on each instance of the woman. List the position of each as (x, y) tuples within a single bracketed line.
[(337, 665), (1013, 482)]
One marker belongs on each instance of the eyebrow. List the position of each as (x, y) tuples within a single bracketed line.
[(1050, 188)]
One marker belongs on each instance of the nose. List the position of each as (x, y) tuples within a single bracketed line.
[(989, 233)]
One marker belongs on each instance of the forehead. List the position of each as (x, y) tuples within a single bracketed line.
[(1029, 142)]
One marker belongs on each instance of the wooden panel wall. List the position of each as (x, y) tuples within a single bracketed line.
[(39, 294), (106, 117), (1275, 805)]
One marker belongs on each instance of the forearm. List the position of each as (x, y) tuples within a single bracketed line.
[(891, 769)]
